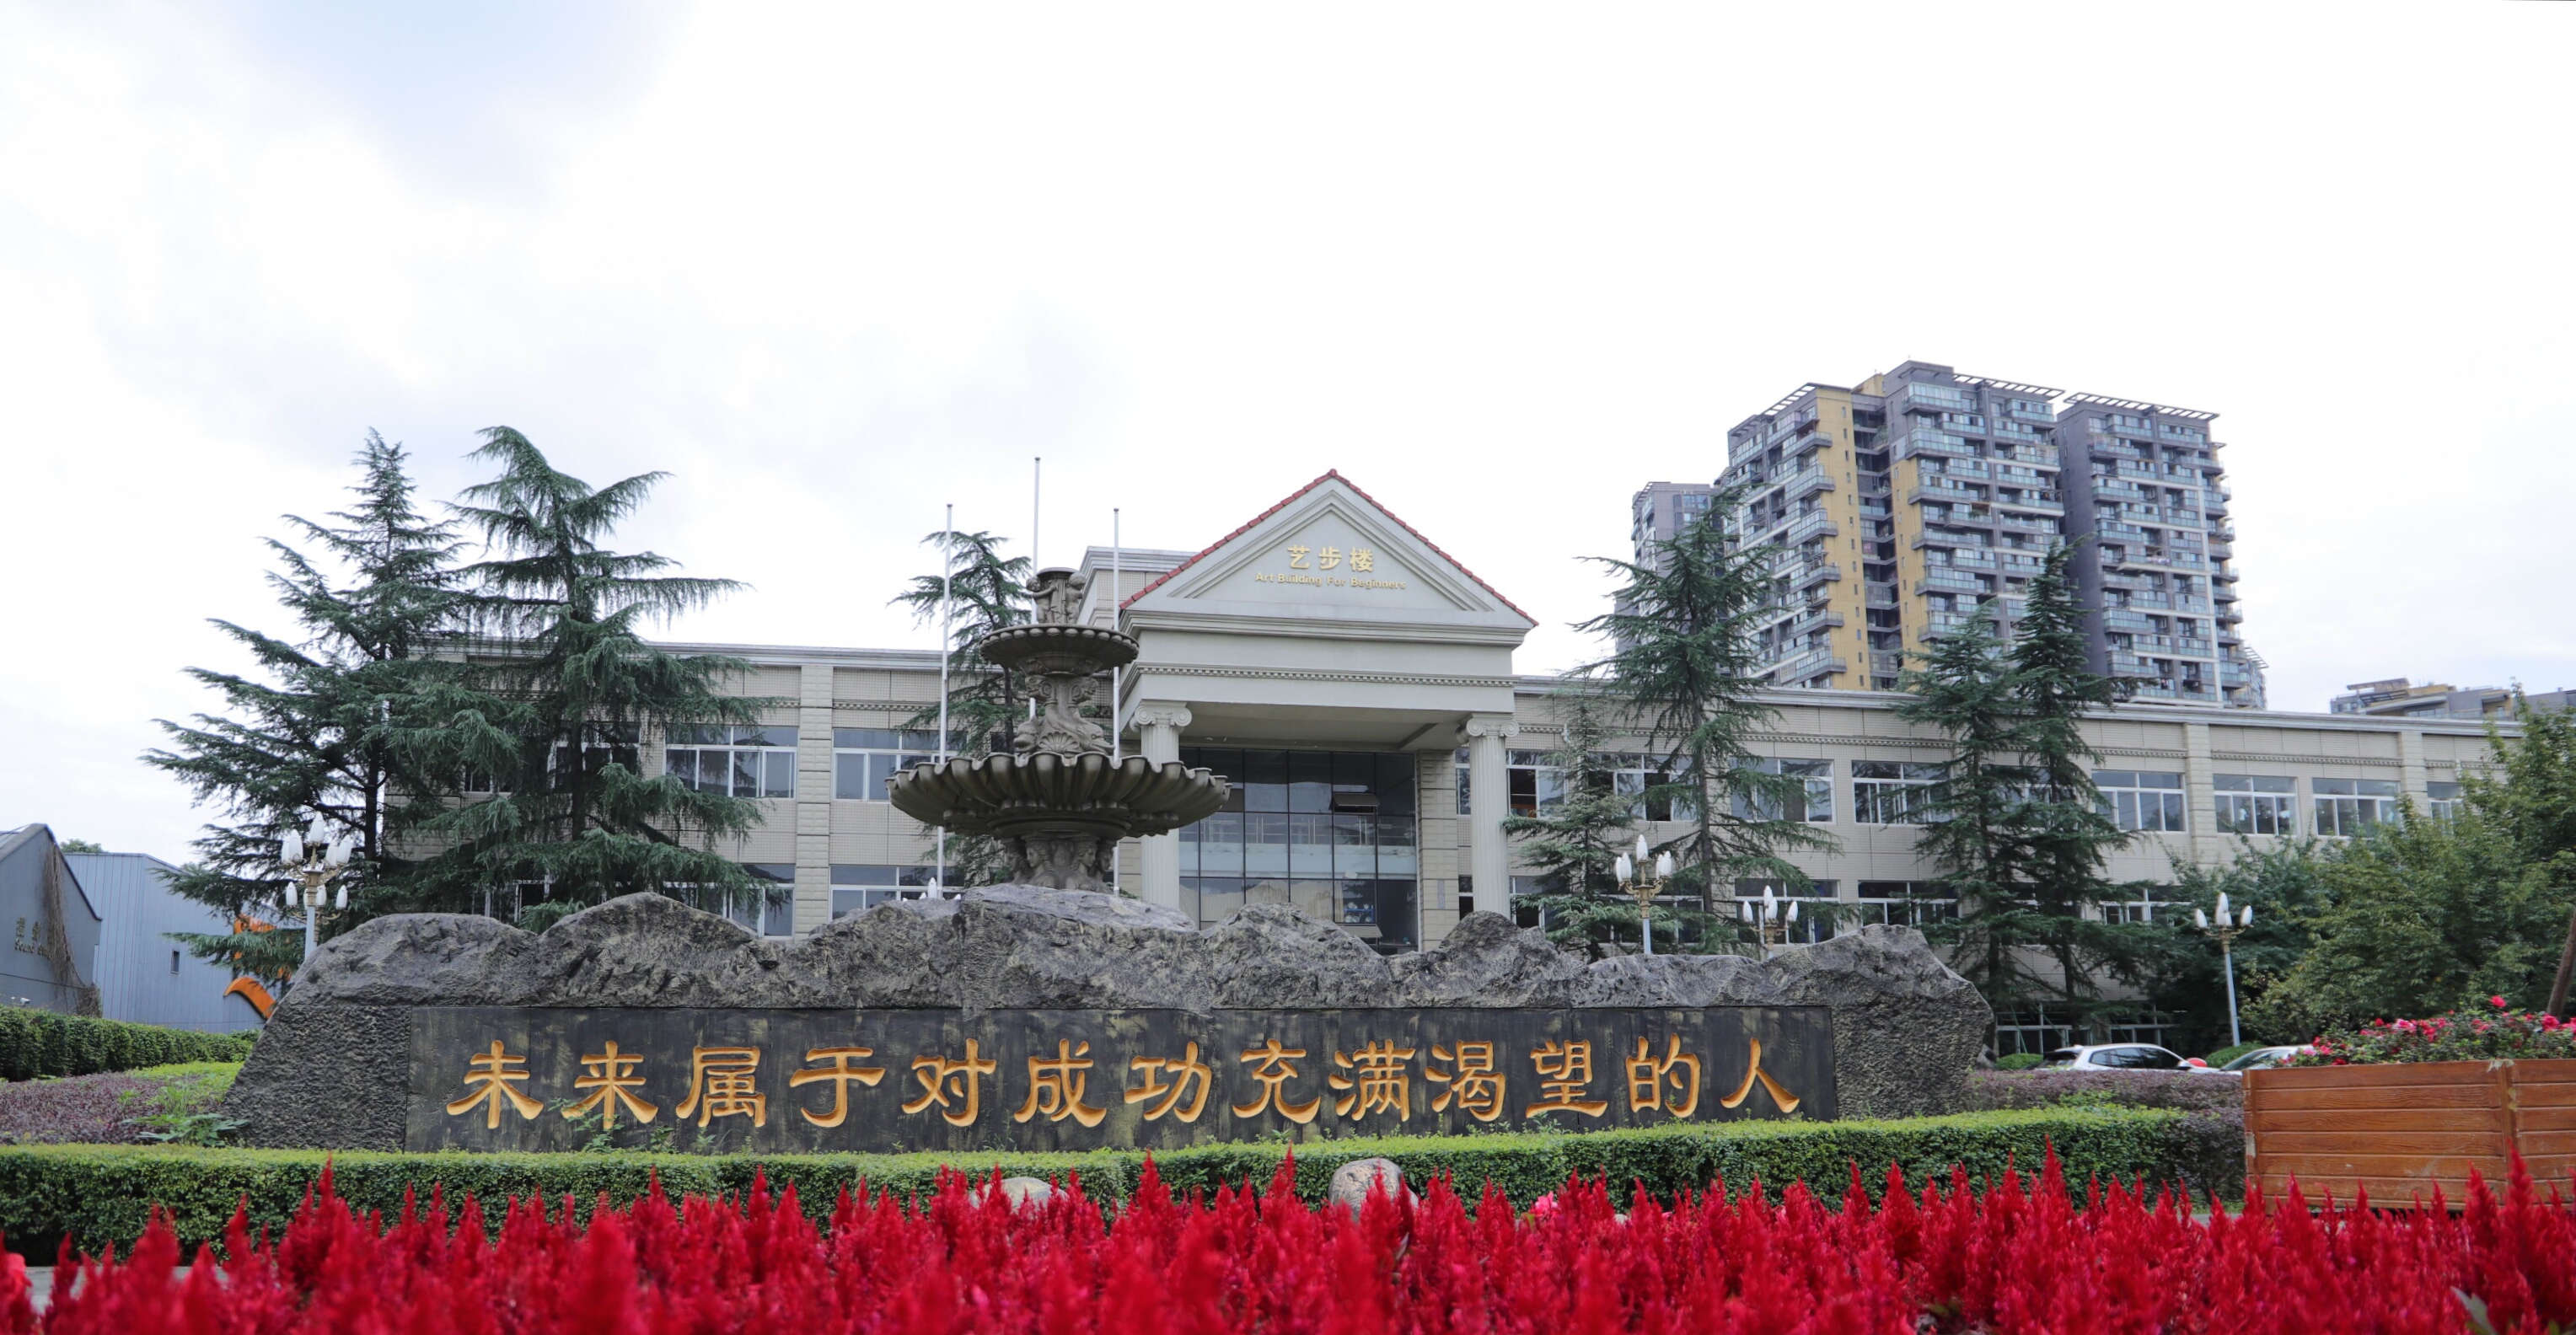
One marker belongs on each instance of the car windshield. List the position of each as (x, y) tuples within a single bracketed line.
[(2259, 1057)]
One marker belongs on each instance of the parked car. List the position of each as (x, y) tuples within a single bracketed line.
[(2262, 1059), (2114, 1057)]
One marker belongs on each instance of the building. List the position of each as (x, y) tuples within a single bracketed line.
[(54, 927), (143, 975), (2399, 698), (1358, 685), (1905, 503), (1661, 510)]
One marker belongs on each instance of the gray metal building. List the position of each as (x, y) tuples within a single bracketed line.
[(54, 926), (142, 975)]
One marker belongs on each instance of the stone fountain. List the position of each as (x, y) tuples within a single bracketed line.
[(1058, 803)]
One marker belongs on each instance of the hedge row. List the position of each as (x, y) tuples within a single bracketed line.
[(38, 1042), (103, 1193)]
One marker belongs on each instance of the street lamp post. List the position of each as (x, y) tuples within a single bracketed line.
[(1768, 917), (1644, 890), (2227, 929), (312, 862)]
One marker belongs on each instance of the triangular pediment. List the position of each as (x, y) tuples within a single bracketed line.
[(1330, 553)]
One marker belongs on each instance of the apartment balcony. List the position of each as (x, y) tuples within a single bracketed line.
[(1808, 577), (2191, 602), (2121, 493), (1886, 664), (2114, 529), (1975, 558), (2122, 619), (1815, 621), (1807, 666), (1916, 396), (2235, 674), (2222, 551), (1927, 441), (1970, 468), (1938, 580), (1807, 482), (2030, 524), (1946, 623), (1876, 510), (2049, 503), (1818, 525), (2038, 455), (1880, 595), (2130, 665), (2013, 474), (1943, 495), (2197, 648), (2043, 416)]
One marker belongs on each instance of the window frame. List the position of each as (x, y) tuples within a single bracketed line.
[(2241, 805), (770, 758), (2124, 803)]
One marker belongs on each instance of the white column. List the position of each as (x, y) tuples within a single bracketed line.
[(813, 797), (2410, 759), (2200, 789), (1490, 794), (1158, 726)]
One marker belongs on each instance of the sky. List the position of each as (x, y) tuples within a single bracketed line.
[(834, 267)]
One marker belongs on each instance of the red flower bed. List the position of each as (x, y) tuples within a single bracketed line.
[(2018, 1256)]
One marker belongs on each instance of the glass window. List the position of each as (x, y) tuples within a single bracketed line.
[(772, 913), (1890, 792), (2256, 804), (1334, 828), (2442, 801), (1814, 804), (864, 758), (745, 760), (857, 887), (2140, 799), (2346, 807)]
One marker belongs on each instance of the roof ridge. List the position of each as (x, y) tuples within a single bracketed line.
[(1330, 475)]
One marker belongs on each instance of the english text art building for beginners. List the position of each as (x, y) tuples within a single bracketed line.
[(1356, 684)]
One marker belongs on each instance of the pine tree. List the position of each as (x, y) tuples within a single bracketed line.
[(332, 721), (569, 692), (1684, 678), (1577, 835), (2014, 823), (983, 592)]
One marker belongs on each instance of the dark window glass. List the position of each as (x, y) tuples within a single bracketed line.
[(1310, 781), (1265, 781)]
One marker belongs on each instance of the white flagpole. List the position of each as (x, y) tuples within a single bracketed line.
[(947, 577), (1117, 587)]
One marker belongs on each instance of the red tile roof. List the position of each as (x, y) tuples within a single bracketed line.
[(1329, 475)]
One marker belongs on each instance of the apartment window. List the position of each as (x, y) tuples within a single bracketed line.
[(2257, 804), (858, 887), (1891, 792), (1536, 785), (1814, 803), (2144, 910), (2140, 799), (2442, 800), (864, 758), (2346, 807), (174, 961), (737, 760)]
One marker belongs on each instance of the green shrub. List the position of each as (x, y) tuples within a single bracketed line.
[(38, 1042), (97, 1194), (2018, 1061)]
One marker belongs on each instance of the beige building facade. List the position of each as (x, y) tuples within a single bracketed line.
[(1357, 684)]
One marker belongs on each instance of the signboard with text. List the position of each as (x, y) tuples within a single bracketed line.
[(510, 1078)]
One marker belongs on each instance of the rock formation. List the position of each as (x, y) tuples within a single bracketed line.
[(1906, 1028)]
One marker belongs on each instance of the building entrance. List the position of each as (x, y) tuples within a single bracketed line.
[(1331, 832)]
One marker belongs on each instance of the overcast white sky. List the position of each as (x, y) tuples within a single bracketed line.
[(833, 267)]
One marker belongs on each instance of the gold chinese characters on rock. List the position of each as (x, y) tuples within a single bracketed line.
[(1113, 1081)]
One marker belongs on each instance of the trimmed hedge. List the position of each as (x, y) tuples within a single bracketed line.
[(96, 1194), (38, 1042)]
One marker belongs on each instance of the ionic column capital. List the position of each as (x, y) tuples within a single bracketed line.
[(1160, 714), (1492, 725)]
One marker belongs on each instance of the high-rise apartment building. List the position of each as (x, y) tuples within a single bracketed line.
[(1660, 510), (1907, 502)]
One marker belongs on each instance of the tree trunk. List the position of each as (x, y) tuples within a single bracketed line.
[(2566, 967)]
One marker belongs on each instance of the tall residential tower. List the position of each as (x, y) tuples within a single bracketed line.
[(1906, 502)]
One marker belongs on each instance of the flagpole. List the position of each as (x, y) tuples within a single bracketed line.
[(1117, 587), (947, 572)]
